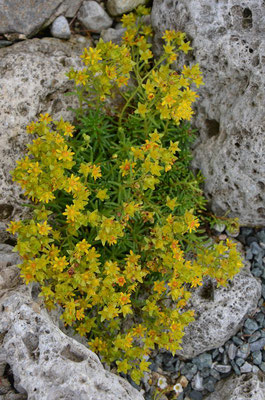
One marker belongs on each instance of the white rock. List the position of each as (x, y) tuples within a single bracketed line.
[(27, 17), (32, 81), (60, 28), (244, 387), (46, 364), (228, 41), (119, 7), (221, 317), (94, 17)]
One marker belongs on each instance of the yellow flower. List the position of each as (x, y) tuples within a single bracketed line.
[(185, 47), (96, 172), (45, 118), (191, 221), (171, 203), (71, 212), (141, 109), (126, 167), (83, 246), (44, 229), (14, 226), (168, 100), (64, 154), (60, 263), (81, 78), (110, 72), (102, 194), (31, 127), (169, 35), (145, 55), (122, 81), (159, 287), (72, 183), (91, 56)]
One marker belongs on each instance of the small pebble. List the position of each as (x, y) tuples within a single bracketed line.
[(254, 337), (235, 367), (258, 345), (250, 326), (60, 28), (205, 372), (248, 255), (224, 369), (197, 383), (194, 395), (243, 351), (257, 272), (250, 239), (240, 361), (255, 248), (257, 357), (215, 374), (237, 340), (246, 368), (215, 353), (209, 384), (246, 231), (232, 351), (261, 236), (203, 361)]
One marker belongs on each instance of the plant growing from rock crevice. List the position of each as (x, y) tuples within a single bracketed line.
[(115, 236)]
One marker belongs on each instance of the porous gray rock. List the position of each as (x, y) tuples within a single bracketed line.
[(32, 81), (228, 43), (220, 317), (94, 17), (46, 364), (119, 7), (60, 28), (244, 387), (30, 16)]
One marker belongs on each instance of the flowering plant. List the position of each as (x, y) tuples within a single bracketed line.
[(115, 235)]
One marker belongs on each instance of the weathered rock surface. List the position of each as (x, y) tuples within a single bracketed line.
[(46, 364), (219, 316), (32, 81), (94, 17), (119, 7), (244, 387), (30, 16), (229, 44)]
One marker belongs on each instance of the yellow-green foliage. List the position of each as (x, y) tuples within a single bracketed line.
[(112, 239)]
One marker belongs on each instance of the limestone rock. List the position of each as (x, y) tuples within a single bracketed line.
[(228, 41), (30, 16), (94, 17), (32, 81), (244, 387), (219, 316), (119, 7), (60, 28), (46, 364)]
